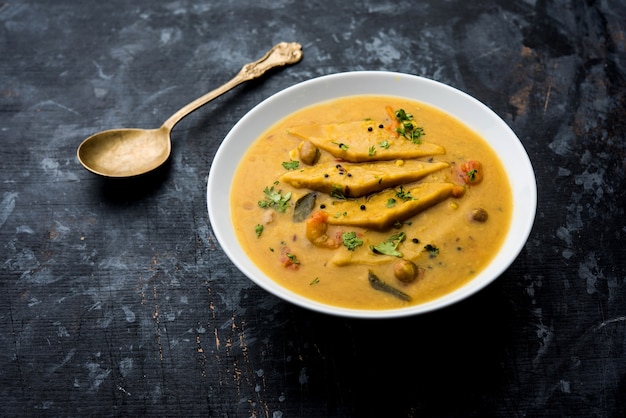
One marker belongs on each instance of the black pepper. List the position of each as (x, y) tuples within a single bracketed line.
[(415, 241), (381, 126), (369, 129), (322, 206), (362, 207)]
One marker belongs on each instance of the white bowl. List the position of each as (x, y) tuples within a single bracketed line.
[(464, 107)]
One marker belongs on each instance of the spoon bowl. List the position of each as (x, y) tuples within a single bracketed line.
[(125, 152), (132, 152)]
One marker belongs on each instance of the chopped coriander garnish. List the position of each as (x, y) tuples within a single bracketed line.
[(315, 281), (407, 128), (472, 174), (351, 241), (401, 115), (258, 229), (401, 194), (384, 144), (293, 258), (337, 192), (275, 200), (389, 246), (391, 202), (291, 165), (432, 250), (372, 150), (416, 134)]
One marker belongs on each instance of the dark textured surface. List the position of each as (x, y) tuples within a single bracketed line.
[(116, 300)]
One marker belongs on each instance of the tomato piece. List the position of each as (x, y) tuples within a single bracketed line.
[(471, 172)]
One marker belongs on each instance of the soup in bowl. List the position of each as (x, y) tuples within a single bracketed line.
[(371, 194)]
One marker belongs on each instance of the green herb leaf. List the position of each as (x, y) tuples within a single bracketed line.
[(401, 194), (351, 241), (275, 200), (384, 144), (378, 284), (391, 202), (258, 230), (371, 151), (432, 250), (416, 134), (337, 192), (401, 115), (304, 206), (407, 128), (291, 164), (389, 246)]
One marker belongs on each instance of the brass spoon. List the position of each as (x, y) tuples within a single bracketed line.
[(131, 152)]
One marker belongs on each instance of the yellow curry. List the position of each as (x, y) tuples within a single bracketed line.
[(371, 202)]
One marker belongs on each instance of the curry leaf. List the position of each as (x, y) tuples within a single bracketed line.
[(304, 206), (378, 284)]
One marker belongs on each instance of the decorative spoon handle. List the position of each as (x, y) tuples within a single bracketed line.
[(281, 54)]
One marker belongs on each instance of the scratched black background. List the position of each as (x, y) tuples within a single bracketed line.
[(116, 300)]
